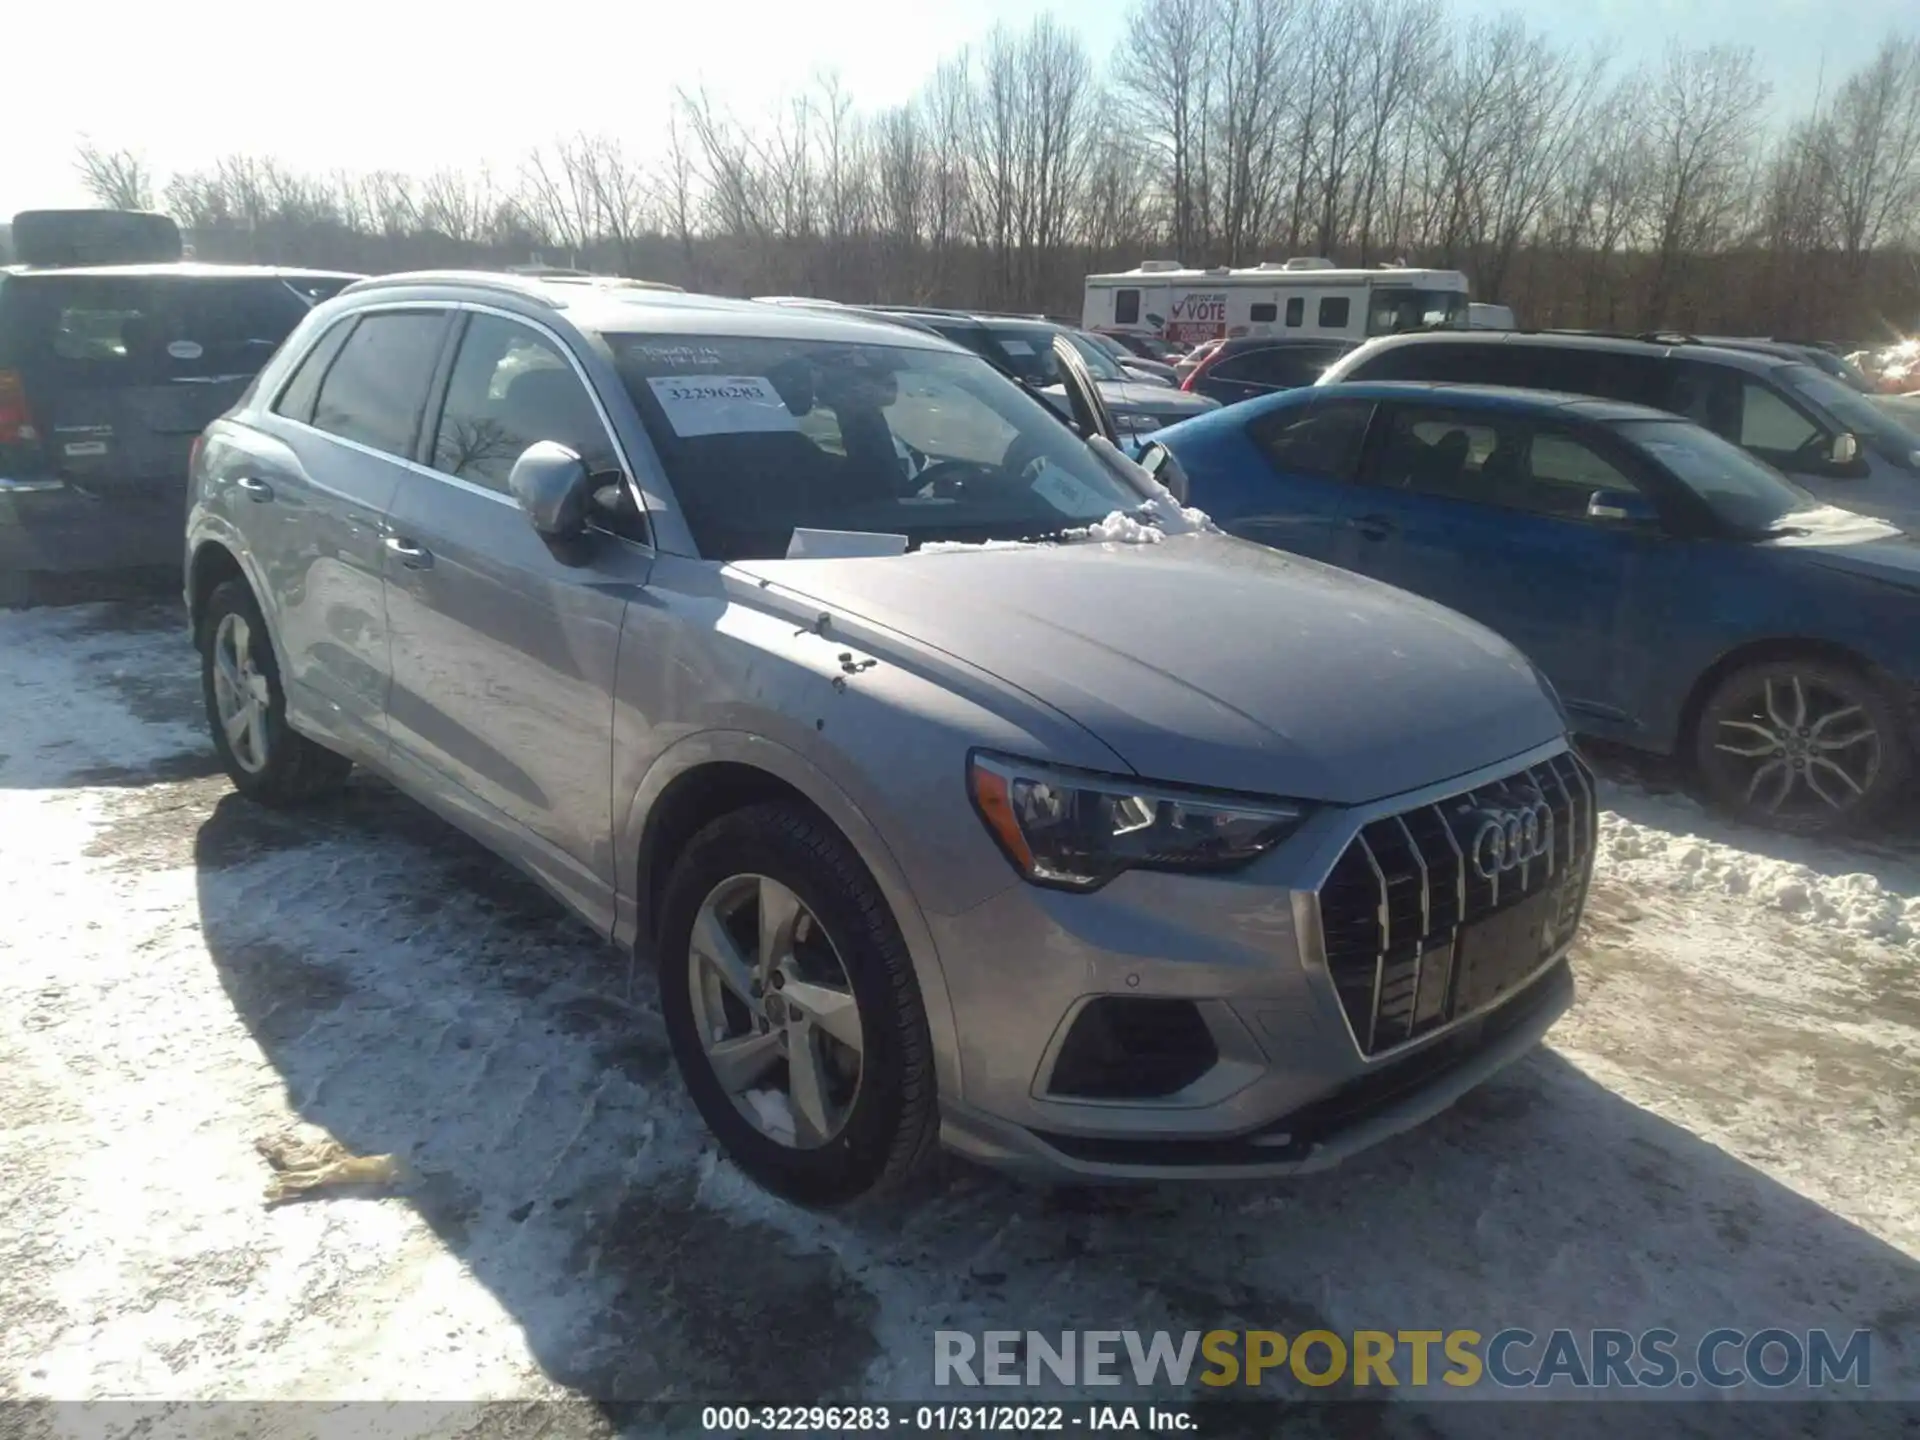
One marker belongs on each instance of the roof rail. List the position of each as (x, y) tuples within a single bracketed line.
[(525, 287)]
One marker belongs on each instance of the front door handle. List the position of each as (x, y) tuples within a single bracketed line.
[(414, 557), (258, 491), (1373, 527)]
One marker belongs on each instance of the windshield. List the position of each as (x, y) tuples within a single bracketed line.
[(1393, 312), (761, 436), (1853, 410), (1102, 365), (1746, 493)]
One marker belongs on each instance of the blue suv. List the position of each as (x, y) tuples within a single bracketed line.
[(1681, 595)]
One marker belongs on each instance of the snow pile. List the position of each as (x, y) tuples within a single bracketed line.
[(948, 547), (1814, 890), (1162, 507), (1121, 528)]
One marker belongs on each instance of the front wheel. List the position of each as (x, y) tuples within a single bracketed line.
[(266, 759), (793, 1009), (1808, 746)]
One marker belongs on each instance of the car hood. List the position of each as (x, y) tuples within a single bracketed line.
[(1145, 395), (1864, 547), (1205, 660)]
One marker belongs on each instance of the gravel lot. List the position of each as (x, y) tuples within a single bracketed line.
[(1725, 1131)]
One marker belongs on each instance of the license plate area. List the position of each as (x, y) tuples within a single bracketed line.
[(1498, 953)]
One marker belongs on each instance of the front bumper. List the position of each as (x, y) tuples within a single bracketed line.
[(1317, 1136), (1290, 1082)]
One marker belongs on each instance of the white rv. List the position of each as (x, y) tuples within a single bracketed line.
[(1307, 298)]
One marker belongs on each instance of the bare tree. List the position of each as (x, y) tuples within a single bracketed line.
[(1870, 151), (1403, 40), (117, 179), (1703, 118), (1164, 70)]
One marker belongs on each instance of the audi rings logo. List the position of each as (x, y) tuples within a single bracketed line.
[(1509, 837)]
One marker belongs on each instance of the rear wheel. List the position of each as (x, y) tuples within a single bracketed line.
[(793, 1008), (1809, 746), (247, 709)]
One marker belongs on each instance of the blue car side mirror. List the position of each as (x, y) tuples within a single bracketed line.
[(1621, 507)]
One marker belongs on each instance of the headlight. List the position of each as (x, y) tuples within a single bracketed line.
[(1076, 830)]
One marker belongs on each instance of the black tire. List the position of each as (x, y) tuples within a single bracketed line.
[(297, 770), (1817, 693), (890, 1134)]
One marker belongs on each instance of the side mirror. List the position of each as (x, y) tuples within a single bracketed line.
[(1845, 450), (553, 487), (1157, 460), (1621, 507)]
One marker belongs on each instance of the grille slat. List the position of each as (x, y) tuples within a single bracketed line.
[(1395, 906)]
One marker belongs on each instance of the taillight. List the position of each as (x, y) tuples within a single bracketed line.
[(193, 455), (16, 420)]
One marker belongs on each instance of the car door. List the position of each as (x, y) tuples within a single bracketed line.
[(313, 510), (1486, 511), (1295, 491), (501, 708)]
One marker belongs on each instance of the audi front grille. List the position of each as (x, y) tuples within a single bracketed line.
[(1439, 913)]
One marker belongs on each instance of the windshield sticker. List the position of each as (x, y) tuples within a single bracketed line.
[(1065, 490), (1015, 347), (680, 357), (185, 350), (721, 405), (808, 544)]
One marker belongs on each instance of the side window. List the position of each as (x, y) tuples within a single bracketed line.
[(376, 388), (297, 397), (91, 330), (1296, 312), (1319, 440), (1334, 310), (1263, 313), (1414, 362), (1497, 460), (1573, 372), (226, 327), (1126, 307), (1285, 366), (1708, 395), (511, 387), (1770, 425)]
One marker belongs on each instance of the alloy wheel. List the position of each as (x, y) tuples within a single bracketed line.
[(240, 693), (775, 1011), (1805, 748)]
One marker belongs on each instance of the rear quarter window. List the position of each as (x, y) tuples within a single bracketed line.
[(149, 329)]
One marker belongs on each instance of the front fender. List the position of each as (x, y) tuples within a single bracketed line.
[(745, 748)]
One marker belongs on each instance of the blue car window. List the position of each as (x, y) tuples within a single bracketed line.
[(1323, 440), (1493, 459)]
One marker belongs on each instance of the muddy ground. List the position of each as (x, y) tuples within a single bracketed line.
[(1722, 1133)]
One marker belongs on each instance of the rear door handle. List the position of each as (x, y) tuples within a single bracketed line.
[(414, 557), (258, 491), (1373, 527)]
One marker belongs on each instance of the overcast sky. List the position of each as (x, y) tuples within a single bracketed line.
[(399, 84)]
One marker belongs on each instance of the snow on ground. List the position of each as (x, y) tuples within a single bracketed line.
[(1723, 1131)]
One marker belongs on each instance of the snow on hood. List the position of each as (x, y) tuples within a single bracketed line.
[(1160, 516), (1210, 661), (1830, 525)]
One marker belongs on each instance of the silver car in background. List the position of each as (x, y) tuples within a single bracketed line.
[(962, 786)]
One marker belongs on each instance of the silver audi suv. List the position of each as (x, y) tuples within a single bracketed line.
[(961, 785)]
